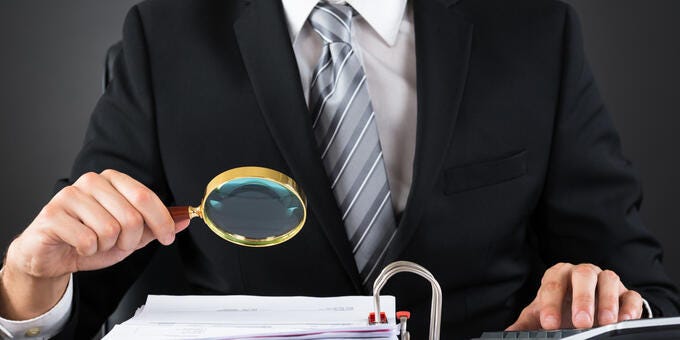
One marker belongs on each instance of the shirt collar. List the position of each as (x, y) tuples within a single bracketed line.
[(384, 16)]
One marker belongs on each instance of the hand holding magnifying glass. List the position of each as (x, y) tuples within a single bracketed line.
[(103, 218), (250, 206)]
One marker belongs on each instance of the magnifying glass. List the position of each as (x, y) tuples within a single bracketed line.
[(250, 206)]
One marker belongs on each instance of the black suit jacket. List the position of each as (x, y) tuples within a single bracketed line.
[(517, 161)]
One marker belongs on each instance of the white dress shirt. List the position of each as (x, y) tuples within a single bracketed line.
[(383, 38), (44, 326)]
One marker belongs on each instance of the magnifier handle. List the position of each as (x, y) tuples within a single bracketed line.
[(180, 213)]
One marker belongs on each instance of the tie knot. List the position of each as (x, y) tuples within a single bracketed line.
[(332, 22)]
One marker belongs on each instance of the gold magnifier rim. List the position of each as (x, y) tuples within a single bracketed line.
[(260, 173)]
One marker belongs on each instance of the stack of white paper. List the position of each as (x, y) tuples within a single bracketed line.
[(256, 317)]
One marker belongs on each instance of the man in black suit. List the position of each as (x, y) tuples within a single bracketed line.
[(513, 163)]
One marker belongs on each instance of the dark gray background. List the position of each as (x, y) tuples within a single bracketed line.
[(51, 57)]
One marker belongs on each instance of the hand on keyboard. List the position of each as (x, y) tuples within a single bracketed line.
[(568, 296)]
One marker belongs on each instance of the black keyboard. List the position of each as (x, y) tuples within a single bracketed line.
[(647, 329), (535, 335)]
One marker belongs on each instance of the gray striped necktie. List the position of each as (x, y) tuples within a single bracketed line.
[(347, 135)]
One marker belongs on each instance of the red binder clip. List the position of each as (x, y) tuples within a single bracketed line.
[(371, 318), (403, 314)]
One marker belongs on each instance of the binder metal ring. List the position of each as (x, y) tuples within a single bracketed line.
[(410, 267)]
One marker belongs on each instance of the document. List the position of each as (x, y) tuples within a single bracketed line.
[(257, 317)]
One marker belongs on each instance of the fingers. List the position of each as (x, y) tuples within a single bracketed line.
[(581, 296), (631, 305), (583, 283), (74, 233), (121, 211), (153, 212), (609, 287), (131, 222), (551, 295), (84, 208)]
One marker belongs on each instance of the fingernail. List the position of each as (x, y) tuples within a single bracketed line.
[(550, 322), (626, 317), (606, 316), (582, 318)]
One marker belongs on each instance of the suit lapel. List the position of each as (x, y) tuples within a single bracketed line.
[(443, 46), (268, 57)]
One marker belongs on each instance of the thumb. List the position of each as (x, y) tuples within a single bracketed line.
[(181, 225), (526, 321)]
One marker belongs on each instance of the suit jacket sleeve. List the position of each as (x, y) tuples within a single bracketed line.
[(121, 136), (591, 200)]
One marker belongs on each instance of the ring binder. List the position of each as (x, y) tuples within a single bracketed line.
[(435, 308)]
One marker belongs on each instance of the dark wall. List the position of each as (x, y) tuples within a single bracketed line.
[(634, 49), (51, 56)]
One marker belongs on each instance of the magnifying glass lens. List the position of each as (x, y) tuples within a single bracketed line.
[(254, 208), (250, 206)]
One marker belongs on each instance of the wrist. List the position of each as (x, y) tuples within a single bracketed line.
[(24, 296)]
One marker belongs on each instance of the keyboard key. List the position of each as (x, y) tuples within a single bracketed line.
[(533, 335)]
